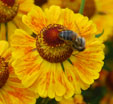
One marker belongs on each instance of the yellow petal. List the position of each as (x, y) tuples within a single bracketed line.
[(11, 28), (20, 40), (53, 15), (3, 46), (35, 19), (2, 31)]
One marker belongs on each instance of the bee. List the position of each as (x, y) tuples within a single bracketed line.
[(72, 38)]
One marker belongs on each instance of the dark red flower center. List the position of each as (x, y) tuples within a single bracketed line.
[(49, 45), (51, 33), (4, 73), (8, 2), (90, 8), (40, 2), (8, 10), (109, 80), (72, 0)]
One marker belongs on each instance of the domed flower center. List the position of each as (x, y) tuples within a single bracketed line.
[(109, 80), (8, 2), (8, 10), (40, 2), (50, 47), (4, 73), (72, 0), (90, 8)]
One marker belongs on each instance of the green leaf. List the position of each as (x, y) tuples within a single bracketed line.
[(69, 61), (108, 55), (94, 95), (6, 31), (62, 67), (46, 101), (98, 35), (34, 35)]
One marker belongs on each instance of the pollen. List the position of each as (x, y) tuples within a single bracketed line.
[(8, 10), (109, 80), (8, 2), (49, 45), (4, 73), (51, 34)]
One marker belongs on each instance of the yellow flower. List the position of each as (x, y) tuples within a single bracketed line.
[(100, 11), (11, 12), (106, 80), (71, 4), (103, 18), (48, 64), (107, 99), (11, 89), (77, 99)]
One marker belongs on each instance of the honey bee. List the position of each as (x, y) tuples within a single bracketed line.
[(72, 38)]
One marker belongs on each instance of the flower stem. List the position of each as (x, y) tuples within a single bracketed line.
[(82, 7), (6, 31), (45, 101)]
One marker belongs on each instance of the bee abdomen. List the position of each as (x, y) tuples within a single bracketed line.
[(75, 41)]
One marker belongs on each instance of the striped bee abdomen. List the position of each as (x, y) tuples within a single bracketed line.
[(72, 39)]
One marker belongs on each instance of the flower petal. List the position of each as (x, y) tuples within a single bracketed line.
[(22, 43), (35, 19), (53, 15), (3, 47), (89, 62)]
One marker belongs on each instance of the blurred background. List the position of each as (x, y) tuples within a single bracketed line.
[(101, 13)]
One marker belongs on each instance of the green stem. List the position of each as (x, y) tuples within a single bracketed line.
[(62, 67), (82, 7), (6, 31), (45, 101)]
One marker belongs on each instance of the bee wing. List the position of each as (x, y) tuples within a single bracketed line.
[(83, 41)]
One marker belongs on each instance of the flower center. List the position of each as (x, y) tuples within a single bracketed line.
[(40, 2), (50, 47), (8, 2), (90, 8), (72, 0), (8, 10), (109, 80), (4, 73)]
